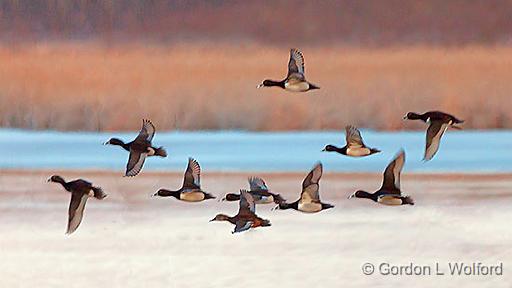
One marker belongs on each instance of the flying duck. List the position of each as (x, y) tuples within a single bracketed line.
[(389, 193), (246, 217), (190, 191), (295, 81), (140, 148), (355, 146), (259, 191), (309, 201), (438, 123), (80, 191)]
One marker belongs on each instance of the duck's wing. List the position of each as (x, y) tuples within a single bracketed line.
[(257, 184), (76, 211), (242, 225), (135, 163), (391, 181), (310, 185), (296, 63), (435, 131), (353, 137), (247, 204), (146, 132), (192, 177)]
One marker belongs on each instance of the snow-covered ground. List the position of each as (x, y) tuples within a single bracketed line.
[(461, 151), (131, 240)]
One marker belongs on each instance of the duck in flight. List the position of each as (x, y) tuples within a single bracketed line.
[(309, 201), (355, 146), (438, 124), (140, 148), (190, 191), (295, 81), (80, 190), (246, 217), (259, 191), (389, 193)]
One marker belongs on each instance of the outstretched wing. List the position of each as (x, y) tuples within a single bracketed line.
[(146, 132), (391, 182), (135, 163), (353, 137), (76, 211), (257, 184), (192, 177), (296, 63), (310, 185), (435, 131), (242, 225), (247, 204)]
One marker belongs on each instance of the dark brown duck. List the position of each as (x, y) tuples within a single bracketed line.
[(259, 191), (246, 217), (80, 190), (140, 148), (438, 124)]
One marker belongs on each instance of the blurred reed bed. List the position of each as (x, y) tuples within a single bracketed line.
[(90, 86)]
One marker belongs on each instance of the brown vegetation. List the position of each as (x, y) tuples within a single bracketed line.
[(287, 22), (86, 86)]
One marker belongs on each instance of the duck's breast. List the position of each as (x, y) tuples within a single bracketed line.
[(358, 152), (390, 200), (309, 207), (299, 86), (194, 196)]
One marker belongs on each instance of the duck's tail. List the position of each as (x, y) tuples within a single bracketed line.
[(160, 151), (278, 199), (407, 200), (98, 193), (374, 150), (208, 196)]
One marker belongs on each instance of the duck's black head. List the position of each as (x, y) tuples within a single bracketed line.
[(114, 141), (360, 194), (271, 83), (329, 148), (412, 116), (57, 179)]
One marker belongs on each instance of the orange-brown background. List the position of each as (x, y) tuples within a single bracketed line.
[(87, 65)]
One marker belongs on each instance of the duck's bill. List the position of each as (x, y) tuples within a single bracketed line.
[(260, 85), (351, 196), (323, 150)]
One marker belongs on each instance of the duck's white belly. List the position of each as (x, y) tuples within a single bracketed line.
[(192, 196), (309, 207), (358, 152), (390, 200), (296, 87)]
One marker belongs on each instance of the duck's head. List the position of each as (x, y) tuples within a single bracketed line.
[(159, 193), (359, 194), (220, 217), (271, 83), (114, 141), (412, 116), (329, 148), (56, 178)]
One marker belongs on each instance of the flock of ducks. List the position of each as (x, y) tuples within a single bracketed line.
[(259, 193)]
